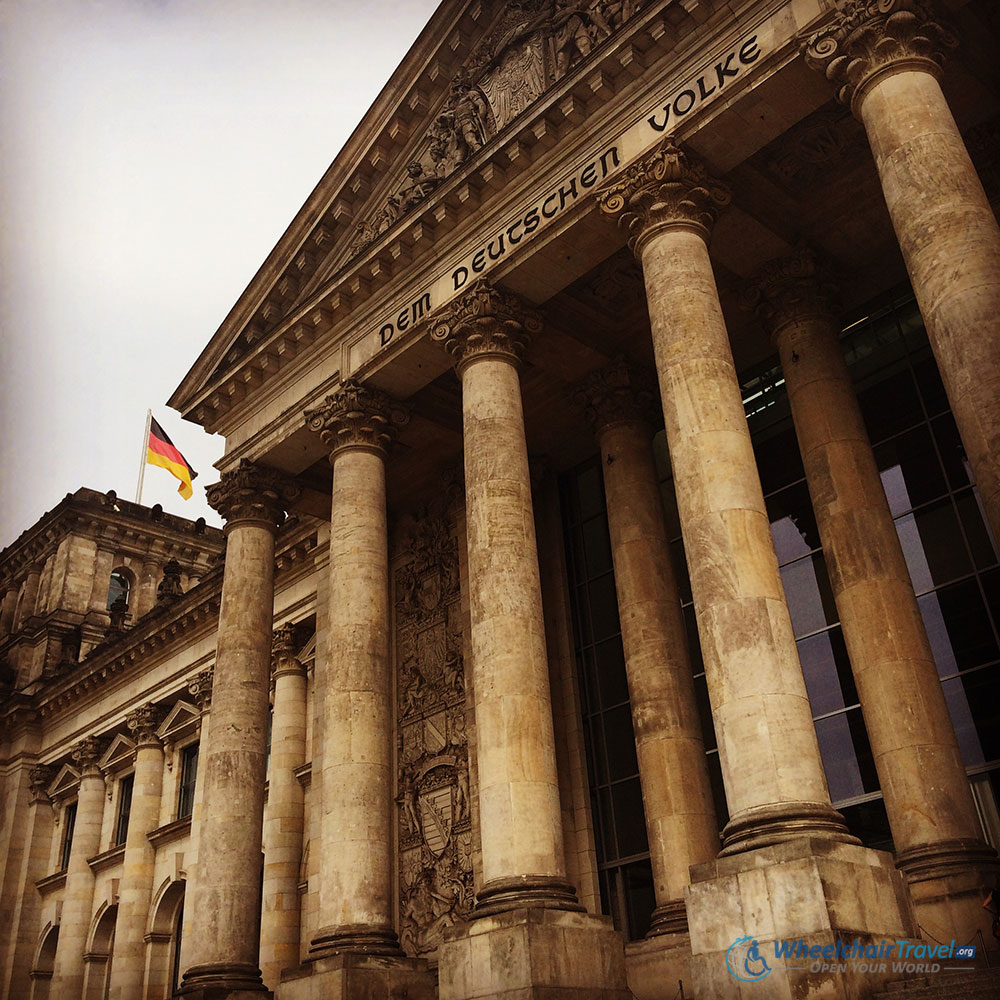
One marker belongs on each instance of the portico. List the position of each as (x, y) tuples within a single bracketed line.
[(447, 343)]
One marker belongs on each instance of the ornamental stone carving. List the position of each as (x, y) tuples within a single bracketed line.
[(665, 189), (200, 688), (358, 416), (142, 722), (253, 493), (170, 589), (486, 321), (790, 288), (531, 45), (435, 816), (284, 650), (87, 753), (39, 779), (869, 37), (616, 394)]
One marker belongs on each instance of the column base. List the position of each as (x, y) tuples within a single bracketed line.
[(658, 965), (533, 954), (525, 891), (359, 977), (811, 893), (948, 883), (670, 918), (770, 825), (222, 980), (359, 939)]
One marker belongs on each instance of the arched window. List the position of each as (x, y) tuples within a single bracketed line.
[(120, 586)]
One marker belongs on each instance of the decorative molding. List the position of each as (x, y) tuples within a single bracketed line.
[(252, 493), (119, 756), (868, 38), (170, 832), (486, 321), (108, 859), (358, 416), (665, 189)]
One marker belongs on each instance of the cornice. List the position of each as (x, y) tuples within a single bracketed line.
[(479, 182)]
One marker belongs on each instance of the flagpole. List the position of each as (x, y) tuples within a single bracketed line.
[(142, 457)]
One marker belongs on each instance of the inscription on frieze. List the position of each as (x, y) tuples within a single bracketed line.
[(435, 818)]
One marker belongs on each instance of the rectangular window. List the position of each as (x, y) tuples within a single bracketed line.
[(69, 821), (189, 772), (124, 808)]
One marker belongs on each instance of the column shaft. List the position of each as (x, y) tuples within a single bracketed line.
[(225, 898), (78, 894), (680, 816), (518, 785), (283, 822), (357, 781), (886, 61), (951, 245), (136, 887), (916, 754)]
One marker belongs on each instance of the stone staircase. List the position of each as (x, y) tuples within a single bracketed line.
[(981, 984)]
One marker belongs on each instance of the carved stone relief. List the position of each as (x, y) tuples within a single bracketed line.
[(435, 819), (532, 44)]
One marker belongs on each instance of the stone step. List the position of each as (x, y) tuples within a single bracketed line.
[(980, 984)]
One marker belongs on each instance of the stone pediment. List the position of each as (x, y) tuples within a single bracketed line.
[(474, 72), (181, 721), (119, 755), (64, 784)]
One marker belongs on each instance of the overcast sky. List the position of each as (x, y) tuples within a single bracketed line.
[(151, 154)]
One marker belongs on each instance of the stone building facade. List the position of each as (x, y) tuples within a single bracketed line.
[(609, 590)]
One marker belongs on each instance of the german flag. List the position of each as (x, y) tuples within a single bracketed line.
[(160, 451)]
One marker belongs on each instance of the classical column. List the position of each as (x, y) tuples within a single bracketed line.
[(771, 766), (885, 58), (487, 330), (283, 817), (680, 817), (78, 894), (21, 934), (358, 425), (7, 610), (29, 596), (224, 906), (136, 887), (142, 601), (200, 690), (926, 791)]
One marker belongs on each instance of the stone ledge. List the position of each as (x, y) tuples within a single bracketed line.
[(170, 832), (107, 859), (351, 976)]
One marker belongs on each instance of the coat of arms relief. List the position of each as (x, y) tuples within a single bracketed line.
[(433, 799), (531, 45)]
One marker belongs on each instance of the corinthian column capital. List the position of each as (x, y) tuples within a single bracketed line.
[(790, 289), (617, 394), (666, 189), (486, 321), (283, 652), (200, 688), (869, 38), (358, 416), (143, 722), (252, 493), (87, 753)]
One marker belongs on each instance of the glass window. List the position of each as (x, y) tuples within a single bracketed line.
[(124, 808), (118, 587), (69, 822), (189, 772)]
